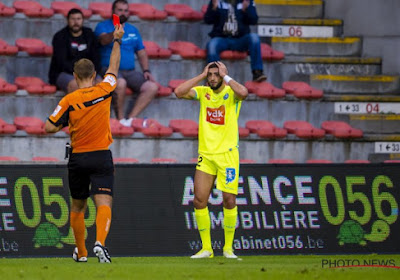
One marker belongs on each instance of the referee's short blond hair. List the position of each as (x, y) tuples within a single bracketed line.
[(84, 69)]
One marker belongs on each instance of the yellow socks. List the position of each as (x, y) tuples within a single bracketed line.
[(230, 218), (203, 225), (77, 221), (103, 223)]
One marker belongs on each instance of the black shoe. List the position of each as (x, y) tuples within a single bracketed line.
[(258, 76), (101, 252)]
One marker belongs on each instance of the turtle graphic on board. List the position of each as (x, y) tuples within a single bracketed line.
[(47, 235), (351, 232)]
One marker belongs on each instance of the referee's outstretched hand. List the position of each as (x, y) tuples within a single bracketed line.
[(118, 32)]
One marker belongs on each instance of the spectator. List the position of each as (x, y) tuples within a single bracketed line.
[(141, 83), (231, 31), (70, 44)]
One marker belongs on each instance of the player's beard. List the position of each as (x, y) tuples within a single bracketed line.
[(217, 86)]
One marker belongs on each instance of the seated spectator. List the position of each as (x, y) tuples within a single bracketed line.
[(70, 44), (231, 31), (140, 83)]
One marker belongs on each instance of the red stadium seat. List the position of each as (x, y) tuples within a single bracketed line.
[(125, 160), (163, 91), (357, 161), (34, 47), (63, 7), (31, 125), (6, 87), (302, 90), (233, 55), (117, 129), (188, 128), (6, 128), (341, 129), (6, 11), (6, 49), (173, 84), (268, 53), (34, 85), (194, 160), (243, 132), (153, 50), (45, 159), (151, 128), (311, 160), (163, 160), (303, 129), (204, 9), (266, 129), (101, 8), (33, 9), (187, 50), (280, 160), (182, 12), (146, 11), (392, 161), (264, 90), (9, 158), (245, 161)]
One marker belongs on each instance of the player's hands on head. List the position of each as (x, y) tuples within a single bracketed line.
[(223, 71), (118, 32), (205, 71)]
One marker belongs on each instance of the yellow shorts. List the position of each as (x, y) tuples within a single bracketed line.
[(225, 166)]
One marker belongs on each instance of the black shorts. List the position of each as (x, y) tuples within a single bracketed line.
[(90, 173)]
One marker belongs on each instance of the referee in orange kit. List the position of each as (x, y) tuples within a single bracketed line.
[(87, 113)]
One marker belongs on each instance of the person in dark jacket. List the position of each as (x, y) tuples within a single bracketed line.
[(231, 31), (70, 44)]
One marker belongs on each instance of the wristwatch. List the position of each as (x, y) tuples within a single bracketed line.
[(117, 40)]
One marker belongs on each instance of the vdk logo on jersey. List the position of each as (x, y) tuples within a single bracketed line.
[(230, 175), (216, 115)]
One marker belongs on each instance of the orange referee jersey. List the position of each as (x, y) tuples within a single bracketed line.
[(87, 113)]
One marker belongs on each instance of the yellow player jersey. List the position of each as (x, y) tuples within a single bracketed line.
[(218, 120)]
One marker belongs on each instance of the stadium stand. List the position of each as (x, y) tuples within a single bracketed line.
[(302, 90), (33, 9), (34, 85), (34, 47), (146, 11), (117, 129), (303, 129), (182, 12), (9, 158), (45, 159), (6, 11), (264, 90), (341, 129), (101, 8), (63, 7), (356, 161), (6, 49), (187, 50), (6, 87), (125, 160), (265, 129), (6, 128), (151, 128), (153, 50), (280, 160), (163, 160), (312, 160), (188, 128)]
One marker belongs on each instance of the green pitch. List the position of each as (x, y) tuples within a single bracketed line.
[(250, 267)]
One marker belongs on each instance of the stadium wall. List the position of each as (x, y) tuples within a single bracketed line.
[(377, 22), (283, 209)]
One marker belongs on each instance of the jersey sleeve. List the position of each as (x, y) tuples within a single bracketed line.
[(109, 83), (101, 27), (60, 116), (199, 91)]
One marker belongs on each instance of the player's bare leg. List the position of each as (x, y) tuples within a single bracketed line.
[(147, 93), (203, 183)]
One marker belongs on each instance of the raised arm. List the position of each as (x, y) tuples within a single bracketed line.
[(240, 91), (185, 90), (115, 56)]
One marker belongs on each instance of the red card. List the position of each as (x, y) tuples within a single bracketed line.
[(116, 20)]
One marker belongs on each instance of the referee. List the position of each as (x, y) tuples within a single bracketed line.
[(90, 168)]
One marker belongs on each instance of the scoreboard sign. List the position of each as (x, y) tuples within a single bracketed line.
[(366, 108), (283, 209), (295, 31)]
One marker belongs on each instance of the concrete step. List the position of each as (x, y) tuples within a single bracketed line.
[(376, 124), (144, 149), (353, 84), (290, 8), (336, 46), (374, 157), (291, 68)]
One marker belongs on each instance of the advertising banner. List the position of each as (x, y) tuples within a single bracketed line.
[(283, 209)]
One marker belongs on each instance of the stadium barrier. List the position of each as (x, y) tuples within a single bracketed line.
[(283, 209)]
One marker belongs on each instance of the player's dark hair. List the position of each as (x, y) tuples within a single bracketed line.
[(74, 11), (214, 65), (118, 1), (84, 68)]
